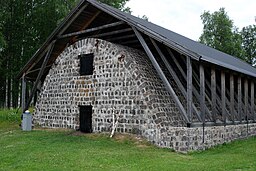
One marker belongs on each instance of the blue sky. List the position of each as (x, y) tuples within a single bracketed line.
[(183, 16)]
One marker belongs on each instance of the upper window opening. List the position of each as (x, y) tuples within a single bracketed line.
[(86, 64)]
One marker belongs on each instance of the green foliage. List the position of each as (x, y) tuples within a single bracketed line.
[(10, 116), (119, 4), (220, 33), (2, 42), (249, 43), (25, 25), (43, 150)]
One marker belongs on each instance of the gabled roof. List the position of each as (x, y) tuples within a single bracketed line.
[(91, 14)]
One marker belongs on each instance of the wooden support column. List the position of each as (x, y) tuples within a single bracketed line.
[(189, 89), (176, 79), (160, 73), (246, 98), (239, 94), (202, 92), (213, 94), (232, 97), (194, 90), (223, 96), (252, 100), (23, 93), (40, 75)]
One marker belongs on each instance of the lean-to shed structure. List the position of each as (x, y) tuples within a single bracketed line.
[(101, 65)]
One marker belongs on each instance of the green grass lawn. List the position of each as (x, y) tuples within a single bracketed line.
[(43, 149)]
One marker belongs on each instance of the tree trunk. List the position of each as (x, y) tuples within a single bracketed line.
[(6, 93), (11, 94), (19, 96)]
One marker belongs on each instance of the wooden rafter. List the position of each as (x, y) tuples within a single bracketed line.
[(90, 21), (70, 21)]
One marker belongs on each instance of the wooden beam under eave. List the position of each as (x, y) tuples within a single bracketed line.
[(252, 100), (202, 92), (161, 74), (232, 97), (239, 92), (112, 33), (189, 88), (223, 96), (91, 30), (213, 93)]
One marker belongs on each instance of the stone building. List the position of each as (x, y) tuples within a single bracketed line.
[(102, 66)]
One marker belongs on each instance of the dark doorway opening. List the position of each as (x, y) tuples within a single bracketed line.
[(85, 119)]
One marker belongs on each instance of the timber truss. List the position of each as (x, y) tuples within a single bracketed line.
[(205, 93)]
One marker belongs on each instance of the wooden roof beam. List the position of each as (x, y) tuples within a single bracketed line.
[(91, 30)]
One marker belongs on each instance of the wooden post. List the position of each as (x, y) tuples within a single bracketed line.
[(189, 88), (252, 100), (177, 80), (239, 92), (202, 92), (213, 93), (232, 97), (23, 93), (223, 96), (246, 98), (40, 74)]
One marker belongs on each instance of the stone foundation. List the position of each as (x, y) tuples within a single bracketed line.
[(185, 139)]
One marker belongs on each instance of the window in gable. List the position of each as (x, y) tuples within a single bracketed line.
[(86, 64)]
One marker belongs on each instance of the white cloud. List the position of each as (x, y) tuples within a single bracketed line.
[(183, 16)]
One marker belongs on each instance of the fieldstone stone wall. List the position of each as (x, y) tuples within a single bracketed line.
[(123, 82)]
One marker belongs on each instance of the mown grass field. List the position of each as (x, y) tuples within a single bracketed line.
[(43, 149)]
